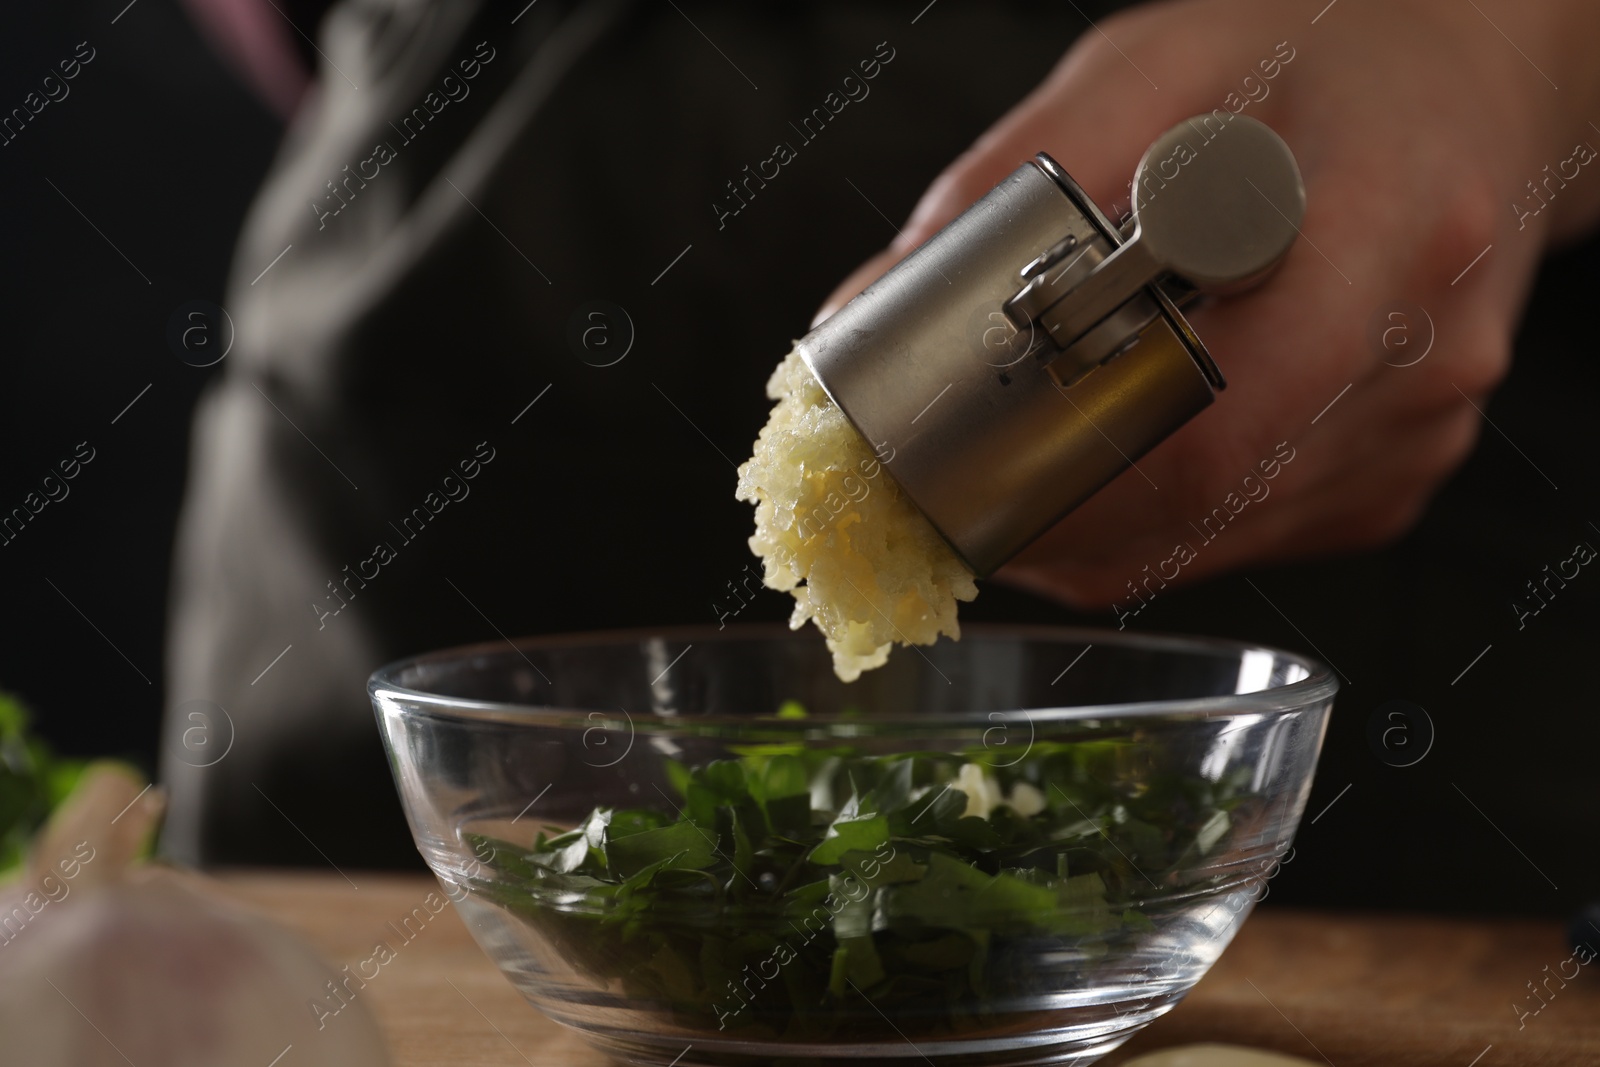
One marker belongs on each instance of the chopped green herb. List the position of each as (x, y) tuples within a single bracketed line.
[(791, 709), (796, 886)]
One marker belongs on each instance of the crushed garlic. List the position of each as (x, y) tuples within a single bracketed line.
[(834, 529), (984, 793)]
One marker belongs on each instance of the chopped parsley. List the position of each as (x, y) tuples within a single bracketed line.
[(797, 893)]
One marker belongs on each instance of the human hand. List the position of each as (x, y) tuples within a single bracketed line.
[(1417, 127)]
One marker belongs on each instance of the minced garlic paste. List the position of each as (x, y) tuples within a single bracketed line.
[(875, 572)]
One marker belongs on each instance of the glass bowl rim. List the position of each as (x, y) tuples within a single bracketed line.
[(1319, 684)]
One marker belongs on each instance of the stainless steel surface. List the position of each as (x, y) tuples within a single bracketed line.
[(947, 364), (1218, 213), (1227, 209)]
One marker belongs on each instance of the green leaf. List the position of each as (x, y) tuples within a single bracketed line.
[(789, 816), (681, 845), (1083, 908), (893, 791), (862, 965), (805, 898), (564, 854), (785, 776), (791, 709), (929, 812), (875, 870), (1142, 843), (942, 898), (503, 855), (678, 776), (853, 835), (634, 821), (726, 777), (1009, 899), (795, 884)]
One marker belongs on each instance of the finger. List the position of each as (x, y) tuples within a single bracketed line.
[(1365, 504), (1290, 383)]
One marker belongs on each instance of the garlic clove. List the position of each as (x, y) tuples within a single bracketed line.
[(982, 791), (158, 970), (105, 961), (1026, 800)]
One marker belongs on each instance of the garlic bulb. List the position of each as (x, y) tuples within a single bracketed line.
[(103, 962)]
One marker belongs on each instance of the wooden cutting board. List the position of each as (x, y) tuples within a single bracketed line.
[(1351, 990)]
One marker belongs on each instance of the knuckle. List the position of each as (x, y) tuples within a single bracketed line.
[(1457, 440), (1467, 222), (1399, 506), (1484, 364), (1379, 525), (1470, 369), (1434, 454)]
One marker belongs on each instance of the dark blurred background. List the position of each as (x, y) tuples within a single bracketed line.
[(158, 151)]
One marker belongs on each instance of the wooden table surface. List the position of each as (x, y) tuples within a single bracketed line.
[(1353, 990)]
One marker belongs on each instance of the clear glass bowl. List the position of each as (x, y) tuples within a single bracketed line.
[(1141, 788)]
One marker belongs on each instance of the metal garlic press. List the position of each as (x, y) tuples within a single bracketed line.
[(1031, 351)]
